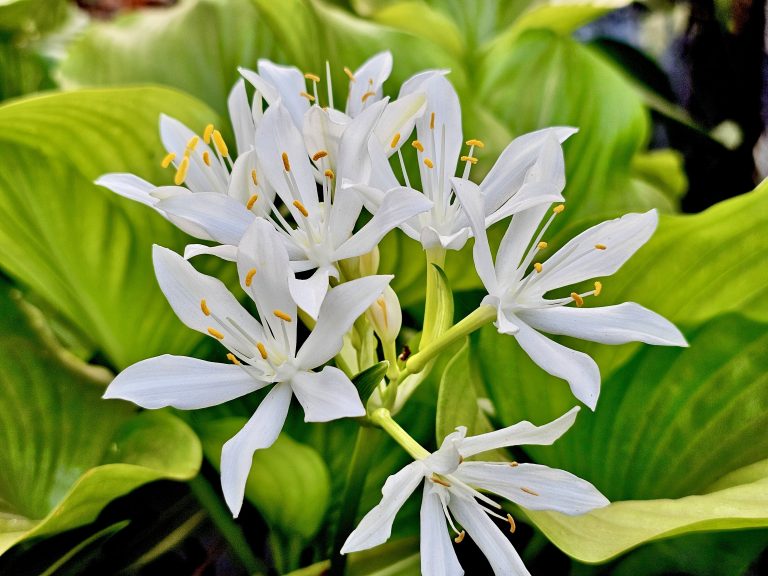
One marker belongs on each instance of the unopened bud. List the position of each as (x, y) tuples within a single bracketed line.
[(386, 316), (369, 263)]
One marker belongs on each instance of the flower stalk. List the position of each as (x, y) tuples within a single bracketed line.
[(383, 418)]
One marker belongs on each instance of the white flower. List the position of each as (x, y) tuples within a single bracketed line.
[(529, 171), (262, 353), (451, 491), (516, 289)]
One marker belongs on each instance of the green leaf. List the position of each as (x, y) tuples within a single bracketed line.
[(367, 380), (394, 558), (32, 16), (84, 250), (288, 483)]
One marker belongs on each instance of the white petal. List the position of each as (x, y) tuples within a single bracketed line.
[(447, 458), (327, 395), (376, 527), (354, 160), (242, 188), (505, 322), (181, 382), (262, 86), (578, 369), (489, 538), (260, 431), (534, 487), (339, 311), (241, 117), (399, 117), (224, 251), (438, 558), (368, 78), (323, 132), (579, 259), (519, 434), (130, 186), (398, 206), (627, 322), (515, 242), (223, 219), (290, 83), (310, 292)]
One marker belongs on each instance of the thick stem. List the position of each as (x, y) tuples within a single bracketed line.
[(384, 419)]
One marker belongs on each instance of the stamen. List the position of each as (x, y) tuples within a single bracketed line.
[(559, 208), (215, 333), (221, 146), (600, 246), (528, 491), (514, 464), (395, 140), (207, 158), (251, 201), (470, 159), (181, 172), (473, 142), (538, 267), (307, 96), (542, 245), (232, 358), (262, 350), (204, 307), (254, 178), (432, 121), (460, 538), (428, 163), (192, 143), (437, 480), (329, 174), (511, 521), (319, 154), (598, 288), (300, 207), (282, 315), (249, 277), (207, 134), (286, 163), (349, 74), (367, 95), (313, 77), (418, 145), (578, 299), (170, 157)]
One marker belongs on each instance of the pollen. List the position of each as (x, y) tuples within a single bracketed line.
[(286, 162), (207, 158), (282, 315), (541, 245), (598, 288), (600, 246), (432, 121), (170, 157), (511, 521), (395, 140), (221, 146), (428, 163), (437, 480), (307, 96), (538, 267), (249, 277), (192, 143), (320, 154), (204, 307), (329, 174), (262, 350), (478, 143), (514, 464), (251, 201), (470, 159), (207, 134), (367, 95), (578, 299), (215, 333), (300, 207), (529, 491), (181, 173), (559, 208), (232, 358), (313, 77), (349, 74), (254, 178), (460, 538), (418, 145)]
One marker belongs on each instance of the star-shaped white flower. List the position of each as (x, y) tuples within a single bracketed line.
[(261, 353), (517, 285), (451, 491)]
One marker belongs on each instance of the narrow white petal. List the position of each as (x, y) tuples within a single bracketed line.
[(382, 175), (323, 131), (326, 395), (181, 382), (354, 159), (129, 186), (578, 369), (368, 78), (438, 558), (224, 251), (290, 83), (534, 486), (340, 309), (417, 82), (269, 92), (241, 117), (309, 293), (505, 322), (518, 435), (515, 242), (446, 459), (242, 188), (376, 527), (260, 431), (489, 538), (399, 117), (627, 322), (223, 219)]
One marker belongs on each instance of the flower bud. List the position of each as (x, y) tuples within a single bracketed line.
[(386, 316), (369, 264)]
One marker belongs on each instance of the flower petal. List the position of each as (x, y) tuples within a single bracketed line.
[(326, 395), (340, 309), (501, 555), (534, 486), (260, 431), (290, 83), (242, 187), (399, 117), (181, 382), (376, 526), (515, 242), (368, 78), (222, 218), (310, 292), (242, 118), (354, 160), (627, 322), (518, 434), (322, 131), (130, 186), (438, 558), (223, 251)]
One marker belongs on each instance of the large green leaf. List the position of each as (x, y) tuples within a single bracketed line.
[(84, 250)]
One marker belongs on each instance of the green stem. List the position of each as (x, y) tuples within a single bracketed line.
[(384, 419)]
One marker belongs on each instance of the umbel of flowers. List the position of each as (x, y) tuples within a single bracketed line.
[(286, 210)]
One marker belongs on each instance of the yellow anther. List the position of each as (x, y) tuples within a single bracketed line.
[(598, 288), (529, 491), (251, 201), (254, 178), (478, 143), (395, 140), (559, 208), (432, 121), (367, 95), (286, 162), (204, 307), (514, 464), (249, 277), (511, 521), (320, 154), (215, 333), (192, 143), (262, 350), (207, 134), (538, 267), (418, 145), (541, 245), (329, 174), (232, 358), (460, 538), (170, 157), (428, 163), (349, 74), (207, 158), (301, 208), (437, 480), (470, 159), (221, 146), (313, 77), (282, 315), (601, 246), (307, 96), (181, 173), (578, 299)]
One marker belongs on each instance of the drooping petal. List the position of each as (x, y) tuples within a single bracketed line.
[(326, 395), (399, 117), (581, 259), (627, 322), (260, 431), (242, 118), (130, 186), (223, 219), (578, 369), (438, 558), (309, 293), (501, 555), (223, 251), (534, 486), (181, 382), (341, 307), (376, 526), (290, 83), (519, 434), (366, 87)]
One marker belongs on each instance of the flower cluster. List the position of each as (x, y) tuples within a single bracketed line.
[(286, 209)]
